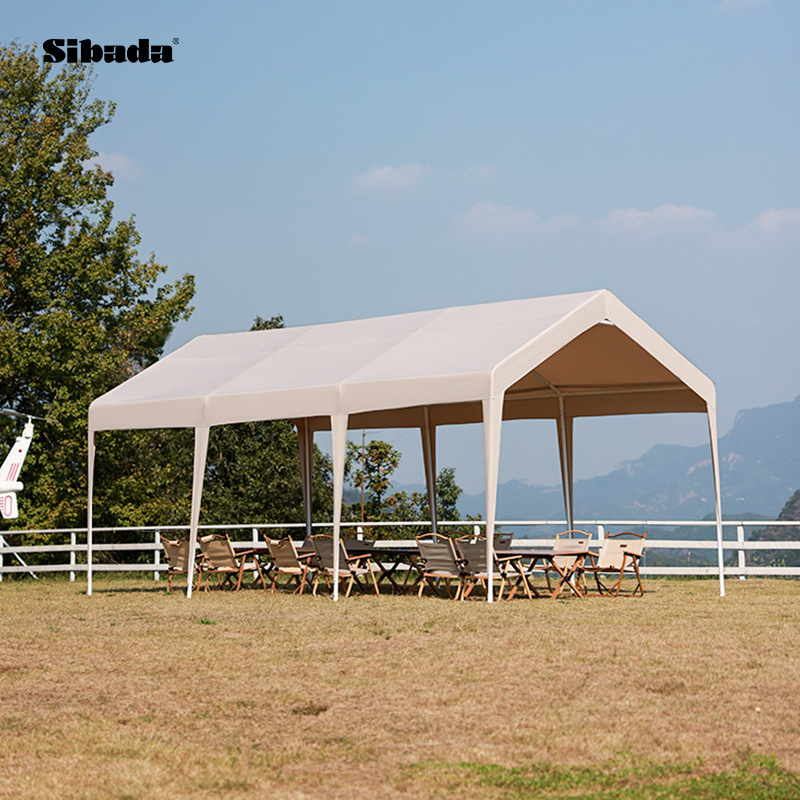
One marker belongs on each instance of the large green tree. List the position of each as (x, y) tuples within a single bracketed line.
[(79, 311)]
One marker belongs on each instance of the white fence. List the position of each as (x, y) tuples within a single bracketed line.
[(16, 558)]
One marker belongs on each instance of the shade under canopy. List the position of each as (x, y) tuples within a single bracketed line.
[(560, 357)]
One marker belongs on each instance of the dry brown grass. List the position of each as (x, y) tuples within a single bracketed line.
[(134, 693)]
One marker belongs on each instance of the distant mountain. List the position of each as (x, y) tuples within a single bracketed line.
[(780, 533), (759, 471)]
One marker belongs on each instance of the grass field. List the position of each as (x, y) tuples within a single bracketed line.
[(136, 693)]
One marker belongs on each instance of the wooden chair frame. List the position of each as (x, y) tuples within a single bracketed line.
[(472, 551), (618, 557), (220, 559), (177, 553), (567, 542), (439, 562), (286, 561), (349, 566)]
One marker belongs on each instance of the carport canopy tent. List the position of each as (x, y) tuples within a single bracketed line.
[(561, 357)]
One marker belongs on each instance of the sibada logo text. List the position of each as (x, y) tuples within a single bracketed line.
[(85, 52)]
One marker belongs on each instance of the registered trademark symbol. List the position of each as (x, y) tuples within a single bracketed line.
[(176, 40)]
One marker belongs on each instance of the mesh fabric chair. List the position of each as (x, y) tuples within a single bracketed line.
[(352, 543), (220, 559), (353, 567), (502, 541), (440, 563), (177, 553), (510, 565), (566, 542), (619, 556), (285, 561), (475, 566)]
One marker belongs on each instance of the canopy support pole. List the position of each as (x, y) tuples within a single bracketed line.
[(89, 515), (305, 441), (200, 454), (339, 446), (565, 450), (492, 426), (712, 433), (429, 457), (564, 426)]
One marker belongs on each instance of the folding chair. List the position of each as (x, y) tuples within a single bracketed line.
[(440, 562), (177, 553), (349, 566), (502, 541), (220, 559), (565, 542), (475, 566), (618, 557), (285, 561)]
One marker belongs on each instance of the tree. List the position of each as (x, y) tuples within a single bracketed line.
[(79, 312), (447, 494), (402, 506), (369, 467)]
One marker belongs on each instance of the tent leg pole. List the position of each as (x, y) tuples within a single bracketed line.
[(565, 450), (429, 457), (305, 440), (712, 432), (492, 426), (89, 514), (200, 454), (339, 442), (564, 428)]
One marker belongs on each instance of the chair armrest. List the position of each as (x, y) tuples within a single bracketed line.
[(634, 557)]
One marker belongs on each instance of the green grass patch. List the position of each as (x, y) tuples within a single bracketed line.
[(755, 777)]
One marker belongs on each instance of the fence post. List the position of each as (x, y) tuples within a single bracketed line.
[(73, 543), (254, 534), (157, 555), (740, 541), (601, 534)]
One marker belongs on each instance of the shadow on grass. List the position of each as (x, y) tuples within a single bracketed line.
[(136, 590), (755, 777)]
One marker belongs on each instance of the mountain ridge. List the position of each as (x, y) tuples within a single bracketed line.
[(759, 471)]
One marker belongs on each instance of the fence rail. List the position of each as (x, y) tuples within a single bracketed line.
[(23, 559)]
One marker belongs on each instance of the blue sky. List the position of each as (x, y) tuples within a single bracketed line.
[(334, 160)]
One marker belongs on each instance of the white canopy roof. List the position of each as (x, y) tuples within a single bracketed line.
[(561, 357), (380, 372)]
